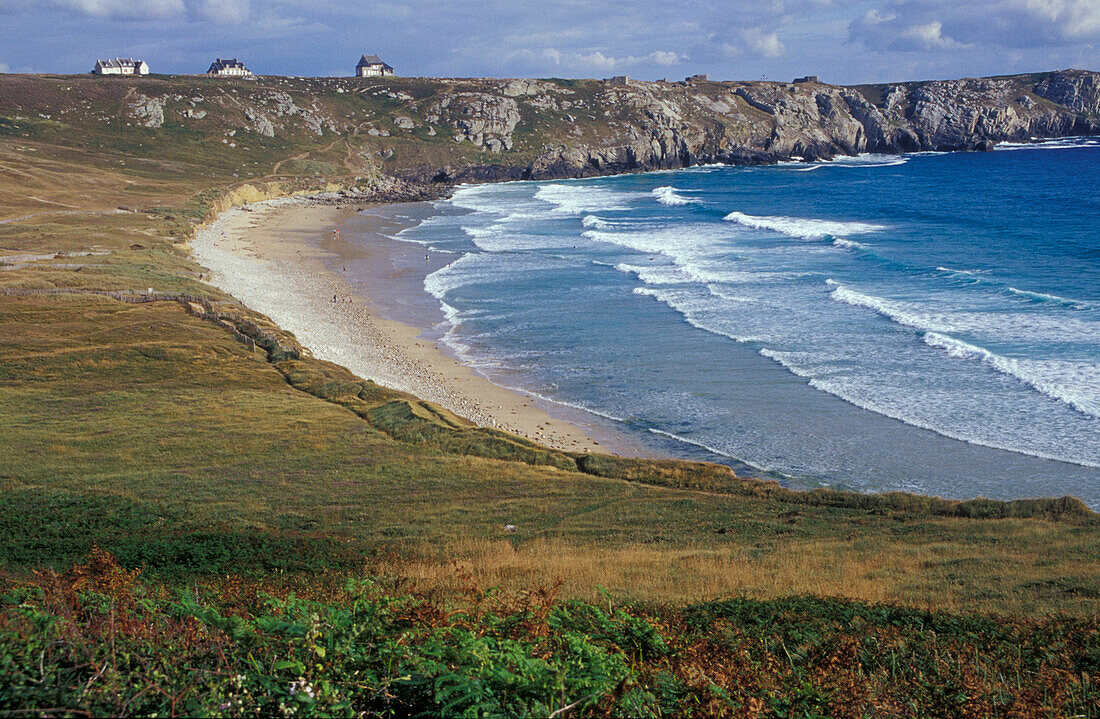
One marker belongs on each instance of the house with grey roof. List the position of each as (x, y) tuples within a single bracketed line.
[(120, 66), (372, 66), (229, 68)]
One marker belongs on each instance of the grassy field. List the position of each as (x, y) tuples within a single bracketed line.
[(160, 437)]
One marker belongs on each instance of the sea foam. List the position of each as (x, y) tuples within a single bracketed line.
[(575, 199), (802, 227), (668, 195), (1077, 384)]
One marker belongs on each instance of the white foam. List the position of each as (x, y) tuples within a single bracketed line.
[(572, 199), (1020, 326), (901, 312), (712, 450), (693, 311), (965, 274), (668, 195), (1077, 384), (448, 277), (1061, 143), (849, 244), (803, 227), (1044, 297), (867, 160), (925, 416)]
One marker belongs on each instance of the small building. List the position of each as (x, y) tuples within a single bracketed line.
[(120, 66), (697, 78), (808, 78), (619, 80), (372, 66), (232, 68)]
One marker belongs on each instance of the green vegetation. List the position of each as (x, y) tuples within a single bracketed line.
[(97, 641), (255, 488)]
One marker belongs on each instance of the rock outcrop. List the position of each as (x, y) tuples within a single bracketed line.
[(147, 111), (669, 125), (452, 130)]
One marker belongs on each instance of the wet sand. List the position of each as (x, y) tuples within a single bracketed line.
[(282, 259)]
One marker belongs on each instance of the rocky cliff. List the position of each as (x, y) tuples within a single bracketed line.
[(451, 130)]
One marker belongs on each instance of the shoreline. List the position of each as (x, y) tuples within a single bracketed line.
[(272, 257)]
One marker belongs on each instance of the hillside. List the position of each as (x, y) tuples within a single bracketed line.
[(461, 129), (183, 435)]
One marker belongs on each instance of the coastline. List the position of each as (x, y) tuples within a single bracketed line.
[(273, 257)]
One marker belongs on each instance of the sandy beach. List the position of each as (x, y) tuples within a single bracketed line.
[(272, 257)]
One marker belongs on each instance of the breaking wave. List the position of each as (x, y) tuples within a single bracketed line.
[(668, 195), (575, 199), (1077, 384), (803, 228)]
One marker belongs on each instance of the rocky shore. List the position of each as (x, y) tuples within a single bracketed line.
[(737, 123)]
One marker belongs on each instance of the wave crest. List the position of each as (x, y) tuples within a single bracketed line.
[(1072, 383), (803, 228), (668, 195)]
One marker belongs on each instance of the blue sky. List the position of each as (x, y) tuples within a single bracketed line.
[(842, 41)]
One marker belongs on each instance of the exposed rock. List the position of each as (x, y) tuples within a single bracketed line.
[(405, 123), (147, 111), (259, 123), (1079, 91), (519, 88), (476, 116)]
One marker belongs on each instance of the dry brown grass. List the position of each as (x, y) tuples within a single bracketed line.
[(895, 573)]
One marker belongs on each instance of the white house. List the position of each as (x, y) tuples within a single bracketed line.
[(372, 66), (120, 66), (232, 67)]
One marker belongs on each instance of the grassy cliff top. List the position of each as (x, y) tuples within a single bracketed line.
[(203, 442)]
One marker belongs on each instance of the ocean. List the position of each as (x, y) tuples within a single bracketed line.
[(927, 323)]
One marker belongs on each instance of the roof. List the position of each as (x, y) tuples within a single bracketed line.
[(119, 62), (220, 64), (371, 60)]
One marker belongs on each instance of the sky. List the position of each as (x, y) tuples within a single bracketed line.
[(842, 41)]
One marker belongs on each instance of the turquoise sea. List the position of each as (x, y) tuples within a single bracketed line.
[(926, 322)]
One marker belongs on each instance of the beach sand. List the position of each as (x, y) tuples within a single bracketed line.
[(275, 257)]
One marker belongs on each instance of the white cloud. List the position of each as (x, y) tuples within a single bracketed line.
[(124, 9), (928, 36), (1073, 19), (224, 11), (762, 43), (936, 25), (595, 62), (754, 42), (5, 67), (664, 58)]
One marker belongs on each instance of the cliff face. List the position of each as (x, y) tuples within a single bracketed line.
[(740, 123), (668, 125), (448, 130)]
